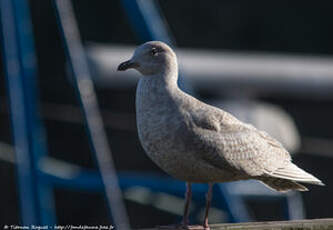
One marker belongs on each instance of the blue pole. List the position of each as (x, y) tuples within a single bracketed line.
[(19, 57), (16, 96), (89, 104), (36, 135)]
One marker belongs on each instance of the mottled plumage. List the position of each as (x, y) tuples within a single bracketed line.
[(196, 142)]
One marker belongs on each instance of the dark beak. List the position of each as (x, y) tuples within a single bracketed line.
[(127, 65)]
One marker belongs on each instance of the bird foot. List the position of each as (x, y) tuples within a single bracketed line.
[(183, 227)]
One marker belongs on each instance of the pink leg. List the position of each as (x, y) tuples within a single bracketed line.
[(185, 222), (208, 201), (188, 197)]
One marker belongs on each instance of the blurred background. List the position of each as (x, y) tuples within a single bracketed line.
[(269, 63)]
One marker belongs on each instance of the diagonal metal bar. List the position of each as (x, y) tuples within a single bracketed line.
[(88, 99)]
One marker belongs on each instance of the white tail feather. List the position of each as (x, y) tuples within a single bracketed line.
[(294, 173)]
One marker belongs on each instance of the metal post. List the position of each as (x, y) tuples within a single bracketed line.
[(94, 123), (20, 64)]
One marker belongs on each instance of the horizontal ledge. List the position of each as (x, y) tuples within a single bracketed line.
[(313, 224)]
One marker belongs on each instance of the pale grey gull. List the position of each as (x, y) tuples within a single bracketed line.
[(196, 142)]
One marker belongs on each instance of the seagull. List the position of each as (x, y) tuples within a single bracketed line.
[(199, 143)]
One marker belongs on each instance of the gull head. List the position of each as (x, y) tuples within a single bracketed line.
[(151, 58)]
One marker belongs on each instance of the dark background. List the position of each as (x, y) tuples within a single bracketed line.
[(267, 26)]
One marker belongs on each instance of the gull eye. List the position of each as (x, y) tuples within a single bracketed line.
[(153, 51)]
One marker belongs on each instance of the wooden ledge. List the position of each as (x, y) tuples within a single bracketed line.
[(315, 224)]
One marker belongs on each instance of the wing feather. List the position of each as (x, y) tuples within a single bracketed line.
[(233, 144)]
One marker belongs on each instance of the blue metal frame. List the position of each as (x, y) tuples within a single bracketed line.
[(20, 64), (36, 184)]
